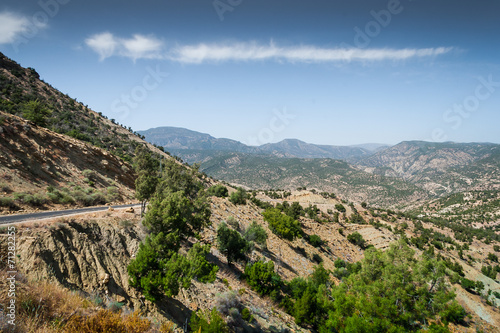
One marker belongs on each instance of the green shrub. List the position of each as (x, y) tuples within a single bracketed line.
[(256, 233), (282, 225), (492, 257), (208, 322), (218, 190), (262, 278), (231, 243), (7, 202), (36, 200), (232, 222), (246, 315), (453, 313), (356, 239), (315, 240), (467, 284), (239, 197), (340, 208)]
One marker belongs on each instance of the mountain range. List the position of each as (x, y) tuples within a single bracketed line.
[(407, 172), (190, 145)]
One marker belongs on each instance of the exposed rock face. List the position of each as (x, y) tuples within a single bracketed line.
[(32, 158), (88, 256)]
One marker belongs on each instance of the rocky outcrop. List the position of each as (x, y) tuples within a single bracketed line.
[(89, 256)]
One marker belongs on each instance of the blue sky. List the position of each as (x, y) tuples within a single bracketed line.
[(258, 71)]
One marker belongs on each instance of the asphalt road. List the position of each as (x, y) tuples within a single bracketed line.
[(44, 215)]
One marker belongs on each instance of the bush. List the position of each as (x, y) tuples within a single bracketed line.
[(35, 112), (239, 197), (454, 313), (245, 315), (467, 284), (256, 233), (356, 239), (226, 301), (36, 200), (232, 222), (262, 278), (317, 258), (492, 257), (282, 225), (208, 322), (231, 244), (315, 240), (340, 208), (218, 190), (7, 202)]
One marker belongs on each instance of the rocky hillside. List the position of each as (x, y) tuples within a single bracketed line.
[(40, 168), (265, 172), (90, 253), (22, 93), (440, 168), (55, 151)]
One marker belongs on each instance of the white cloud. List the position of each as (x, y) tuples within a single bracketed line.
[(137, 47), (142, 47), (149, 47), (103, 44), (200, 53), (12, 26)]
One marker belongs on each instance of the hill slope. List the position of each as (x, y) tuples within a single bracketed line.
[(266, 172), (60, 152), (440, 168)]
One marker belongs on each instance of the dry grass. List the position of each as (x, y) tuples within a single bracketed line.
[(44, 307)]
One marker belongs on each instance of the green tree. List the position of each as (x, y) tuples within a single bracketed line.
[(218, 190), (262, 278), (177, 216), (239, 197), (231, 244), (36, 112), (282, 225), (315, 240), (340, 208), (391, 293), (178, 210), (492, 257), (256, 233), (146, 168), (356, 239), (158, 271)]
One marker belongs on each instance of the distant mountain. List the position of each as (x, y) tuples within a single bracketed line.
[(300, 149), (177, 138), (440, 168), (194, 147), (270, 172)]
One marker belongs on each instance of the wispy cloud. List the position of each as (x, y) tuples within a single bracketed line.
[(200, 53), (13, 26), (136, 47), (149, 47)]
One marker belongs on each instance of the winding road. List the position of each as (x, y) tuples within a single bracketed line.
[(8, 219)]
